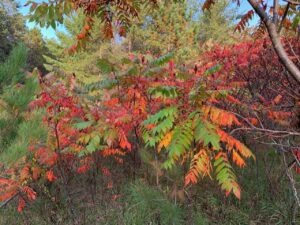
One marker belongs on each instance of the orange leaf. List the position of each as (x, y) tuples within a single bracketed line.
[(220, 116), (112, 102), (50, 176), (110, 185), (21, 204), (234, 144), (232, 99), (277, 99), (253, 121), (124, 144), (31, 194), (238, 159), (25, 173), (36, 172), (200, 166)]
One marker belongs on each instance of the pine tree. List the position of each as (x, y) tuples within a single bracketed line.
[(172, 27), (17, 91), (217, 24)]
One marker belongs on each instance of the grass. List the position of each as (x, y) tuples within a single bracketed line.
[(266, 200)]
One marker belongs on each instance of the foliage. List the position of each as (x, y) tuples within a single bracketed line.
[(13, 31), (36, 49), (122, 12), (261, 98), (83, 63), (57, 57), (78, 138), (171, 27), (266, 200), (147, 116), (217, 23), (10, 71), (15, 98)]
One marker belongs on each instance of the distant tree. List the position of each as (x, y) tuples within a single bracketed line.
[(12, 27), (36, 49), (217, 24), (172, 27), (13, 30)]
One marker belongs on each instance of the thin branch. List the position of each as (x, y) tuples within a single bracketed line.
[(278, 132), (263, 130), (8, 200), (276, 144), (283, 17)]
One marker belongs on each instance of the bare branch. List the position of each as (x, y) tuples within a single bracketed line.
[(283, 17), (292, 2), (271, 132), (3, 204)]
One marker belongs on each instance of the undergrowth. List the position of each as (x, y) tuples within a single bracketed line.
[(266, 199)]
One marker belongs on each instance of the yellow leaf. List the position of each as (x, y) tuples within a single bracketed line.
[(165, 141)]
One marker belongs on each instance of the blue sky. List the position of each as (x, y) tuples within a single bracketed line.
[(47, 32), (50, 33)]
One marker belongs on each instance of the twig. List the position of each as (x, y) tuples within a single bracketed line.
[(283, 17), (8, 200), (284, 133)]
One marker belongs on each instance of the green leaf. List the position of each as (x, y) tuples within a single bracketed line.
[(164, 121), (53, 24), (213, 70), (206, 132), (296, 22), (226, 176), (181, 142), (133, 71), (163, 92), (83, 125), (103, 84), (96, 140), (105, 66), (125, 61), (160, 115), (162, 60), (91, 147)]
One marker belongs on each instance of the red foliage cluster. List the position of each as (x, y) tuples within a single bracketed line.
[(268, 88), (82, 134), (270, 98)]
